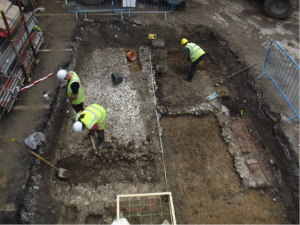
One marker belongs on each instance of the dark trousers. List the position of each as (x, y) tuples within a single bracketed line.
[(100, 136), (193, 67), (78, 107)]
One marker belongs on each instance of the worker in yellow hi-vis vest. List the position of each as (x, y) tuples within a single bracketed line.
[(74, 89), (93, 118), (195, 54)]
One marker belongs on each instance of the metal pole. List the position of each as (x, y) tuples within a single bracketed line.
[(25, 23)]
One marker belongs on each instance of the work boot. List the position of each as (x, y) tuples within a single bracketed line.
[(100, 146), (88, 135), (186, 79)]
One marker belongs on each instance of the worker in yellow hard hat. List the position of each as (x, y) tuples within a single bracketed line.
[(193, 52)]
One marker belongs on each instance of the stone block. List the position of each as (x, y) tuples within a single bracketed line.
[(251, 161), (96, 209), (158, 43)]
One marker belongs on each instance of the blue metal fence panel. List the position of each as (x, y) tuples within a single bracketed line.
[(88, 6), (119, 6), (284, 72)]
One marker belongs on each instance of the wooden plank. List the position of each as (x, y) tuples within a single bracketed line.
[(145, 194), (173, 210), (118, 207)]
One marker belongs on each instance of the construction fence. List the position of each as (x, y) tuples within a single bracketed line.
[(284, 72), (123, 6)]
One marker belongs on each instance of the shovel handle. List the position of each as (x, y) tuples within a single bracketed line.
[(36, 155), (95, 149), (93, 142), (242, 70)]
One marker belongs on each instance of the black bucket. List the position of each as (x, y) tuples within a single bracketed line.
[(116, 78), (161, 70)]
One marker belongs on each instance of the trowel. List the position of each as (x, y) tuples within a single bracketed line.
[(220, 80)]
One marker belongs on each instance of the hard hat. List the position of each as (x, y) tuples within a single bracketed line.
[(121, 221), (61, 74), (183, 41), (77, 127)]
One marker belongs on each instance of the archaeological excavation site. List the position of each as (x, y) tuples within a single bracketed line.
[(175, 152), (213, 160)]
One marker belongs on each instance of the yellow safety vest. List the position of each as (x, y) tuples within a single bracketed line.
[(93, 114), (81, 95), (195, 51)]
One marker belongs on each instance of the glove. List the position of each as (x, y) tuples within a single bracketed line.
[(68, 100)]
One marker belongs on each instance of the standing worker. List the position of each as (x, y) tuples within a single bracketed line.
[(195, 53), (93, 118), (74, 89)]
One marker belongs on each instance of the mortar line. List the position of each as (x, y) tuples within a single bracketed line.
[(158, 125)]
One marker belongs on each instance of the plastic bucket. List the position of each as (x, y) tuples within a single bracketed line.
[(131, 55), (161, 70), (116, 78)]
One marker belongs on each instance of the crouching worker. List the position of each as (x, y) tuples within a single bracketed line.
[(93, 118)]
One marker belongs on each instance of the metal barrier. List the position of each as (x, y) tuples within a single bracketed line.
[(284, 72), (119, 6)]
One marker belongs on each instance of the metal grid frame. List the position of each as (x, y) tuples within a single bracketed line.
[(150, 205)]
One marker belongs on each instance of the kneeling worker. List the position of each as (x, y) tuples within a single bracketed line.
[(74, 89), (93, 118)]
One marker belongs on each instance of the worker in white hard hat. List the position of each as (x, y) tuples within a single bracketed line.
[(93, 118), (74, 89), (193, 52)]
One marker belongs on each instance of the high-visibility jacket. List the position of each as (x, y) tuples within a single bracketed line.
[(94, 113), (81, 95), (195, 51)]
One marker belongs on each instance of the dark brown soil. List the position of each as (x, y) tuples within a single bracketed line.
[(126, 159), (200, 170)]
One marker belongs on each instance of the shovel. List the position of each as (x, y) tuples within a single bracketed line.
[(63, 173), (219, 80)]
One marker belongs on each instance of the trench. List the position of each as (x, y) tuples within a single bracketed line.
[(203, 173)]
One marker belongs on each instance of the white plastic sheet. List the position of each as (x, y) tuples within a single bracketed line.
[(34, 140)]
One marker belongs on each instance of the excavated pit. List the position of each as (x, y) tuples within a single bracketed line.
[(206, 171)]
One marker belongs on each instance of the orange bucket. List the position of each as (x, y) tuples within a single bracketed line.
[(131, 55)]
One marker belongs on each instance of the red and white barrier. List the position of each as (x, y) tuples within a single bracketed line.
[(36, 82)]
